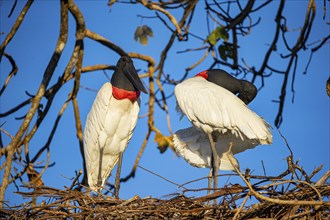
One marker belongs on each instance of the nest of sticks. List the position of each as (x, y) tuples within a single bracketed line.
[(290, 195)]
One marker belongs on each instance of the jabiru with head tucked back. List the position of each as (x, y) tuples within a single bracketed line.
[(216, 104), (111, 122)]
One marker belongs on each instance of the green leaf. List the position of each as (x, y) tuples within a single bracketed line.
[(217, 34), (212, 38), (142, 33), (222, 33)]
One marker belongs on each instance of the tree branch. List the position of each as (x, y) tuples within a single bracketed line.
[(11, 148), (15, 27)]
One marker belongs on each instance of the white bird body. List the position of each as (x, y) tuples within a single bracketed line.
[(216, 110), (109, 127), (110, 124), (220, 118)]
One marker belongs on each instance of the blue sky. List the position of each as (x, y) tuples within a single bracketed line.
[(305, 125)]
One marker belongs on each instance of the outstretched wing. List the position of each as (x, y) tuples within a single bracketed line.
[(212, 108)]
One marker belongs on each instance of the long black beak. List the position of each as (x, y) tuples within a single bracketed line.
[(131, 74)]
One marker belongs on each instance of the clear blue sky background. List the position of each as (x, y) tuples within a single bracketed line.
[(306, 121)]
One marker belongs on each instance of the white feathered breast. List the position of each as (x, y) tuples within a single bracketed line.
[(109, 125)]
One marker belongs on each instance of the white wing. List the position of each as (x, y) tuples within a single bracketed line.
[(95, 123), (212, 108), (193, 145), (109, 126)]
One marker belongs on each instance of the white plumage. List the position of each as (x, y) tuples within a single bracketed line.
[(220, 118), (212, 108), (194, 146), (109, 128)]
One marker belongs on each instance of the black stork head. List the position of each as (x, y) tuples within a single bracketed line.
[(245, 90), (125, 76), (248, 91)]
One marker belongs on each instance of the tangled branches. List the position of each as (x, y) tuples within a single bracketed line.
[(261, 197)]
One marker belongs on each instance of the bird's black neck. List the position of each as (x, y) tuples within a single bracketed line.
[(245, 90), (225, 80)]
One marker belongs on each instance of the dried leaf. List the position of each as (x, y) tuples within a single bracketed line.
[(111, 2), (138, 33), (144, 40), (162, 142), (34, 178), (142, 33), (147, 30)]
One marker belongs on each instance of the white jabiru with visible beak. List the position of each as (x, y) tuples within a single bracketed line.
[(111, 122), (216, 104)]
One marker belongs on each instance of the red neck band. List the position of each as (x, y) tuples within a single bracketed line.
[(203, 74), (124, 94)]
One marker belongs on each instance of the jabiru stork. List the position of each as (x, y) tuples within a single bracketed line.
[(216, 104), (111, 122)]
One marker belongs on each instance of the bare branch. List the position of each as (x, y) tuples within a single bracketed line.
[(12, 73), (153, 6), (15, 27), (36, 100), (105, 42)]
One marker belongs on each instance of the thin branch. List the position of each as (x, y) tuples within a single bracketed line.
[(12, 73), (274, 42), (241, 16), (12, 9), (153, 6), (15, 27), (300, 43), (94, 36), (167, 180), (151, 104), (274, 200)]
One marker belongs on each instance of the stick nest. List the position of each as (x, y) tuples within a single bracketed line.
[(262, 197)]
